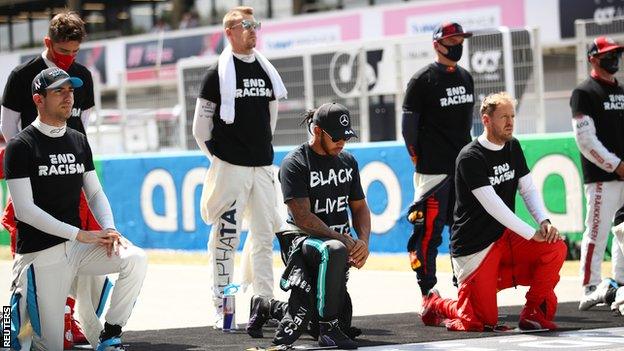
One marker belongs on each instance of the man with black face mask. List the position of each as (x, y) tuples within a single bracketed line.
[(598, 121), (437, 117)]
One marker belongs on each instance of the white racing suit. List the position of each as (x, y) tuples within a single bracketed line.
[(231, 193), (42, 280), (603, 200)]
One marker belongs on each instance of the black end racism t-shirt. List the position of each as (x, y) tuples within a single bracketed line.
[(604, 103), (444, 101), (247, 141), (55, 167), (475, 229), (18, 93), (330, 182)]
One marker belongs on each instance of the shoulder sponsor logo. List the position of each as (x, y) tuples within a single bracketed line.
[(582, 124)]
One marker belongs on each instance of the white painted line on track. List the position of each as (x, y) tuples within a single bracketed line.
[(578, 340)]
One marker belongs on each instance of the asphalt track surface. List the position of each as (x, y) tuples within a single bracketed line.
[(392, 331), (175, 310)]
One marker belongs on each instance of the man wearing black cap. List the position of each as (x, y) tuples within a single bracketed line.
[(437, 117), (321, 184), (47, 165), (66, 32), (597, 110)]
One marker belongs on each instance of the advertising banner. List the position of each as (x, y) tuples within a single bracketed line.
[(155, 199), (144, 57), (471, 14), (602, 11)]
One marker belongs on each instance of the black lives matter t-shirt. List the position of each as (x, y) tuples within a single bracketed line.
[(55, 167), (18, 94), (247, 141), (604, 103), (330, 182), (444, 100), (475, 229)]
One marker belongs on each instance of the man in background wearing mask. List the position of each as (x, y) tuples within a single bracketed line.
[(598, 121), (65, 34), (437, 117)]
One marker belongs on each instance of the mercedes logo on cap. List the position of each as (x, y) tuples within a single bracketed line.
[(344, 120)]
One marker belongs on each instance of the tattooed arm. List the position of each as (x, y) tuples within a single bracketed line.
[(311, 224)]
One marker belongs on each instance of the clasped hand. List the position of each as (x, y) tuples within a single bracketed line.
[(547, 233), (358, 251), (110, 239)]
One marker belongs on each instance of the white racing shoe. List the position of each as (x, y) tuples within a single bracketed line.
[(218, 321), (618, 303), (595, 294)]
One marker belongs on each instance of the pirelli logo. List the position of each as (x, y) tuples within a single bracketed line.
[(6, 326)]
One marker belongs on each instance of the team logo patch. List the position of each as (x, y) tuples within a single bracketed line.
[(344, 120), (38, 84)]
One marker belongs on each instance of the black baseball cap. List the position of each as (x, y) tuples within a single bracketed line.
[(603, 44), (334, 119), (449, 29), (51, 78)]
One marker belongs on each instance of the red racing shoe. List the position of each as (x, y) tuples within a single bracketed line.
[(78, 333), (74, 327), (429, 314), (533, 319)]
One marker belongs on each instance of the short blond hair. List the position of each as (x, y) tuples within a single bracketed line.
[(235, 14), (492, 101)]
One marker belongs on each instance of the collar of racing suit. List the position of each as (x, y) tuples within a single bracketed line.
[(48, 130), (488, 144)]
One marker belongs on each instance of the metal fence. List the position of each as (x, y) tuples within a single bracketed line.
[(369, 77)]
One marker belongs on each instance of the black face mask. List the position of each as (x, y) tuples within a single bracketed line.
[(610, 63), (454, 52)]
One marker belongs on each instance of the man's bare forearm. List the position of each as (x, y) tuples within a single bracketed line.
[(309, 222), (362, 222)]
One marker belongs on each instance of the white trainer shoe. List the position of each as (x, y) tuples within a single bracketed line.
[(595, 294), (618, 303), (218, 320)]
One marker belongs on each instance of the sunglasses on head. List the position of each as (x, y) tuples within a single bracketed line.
[(247, 24), (335, 140)]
